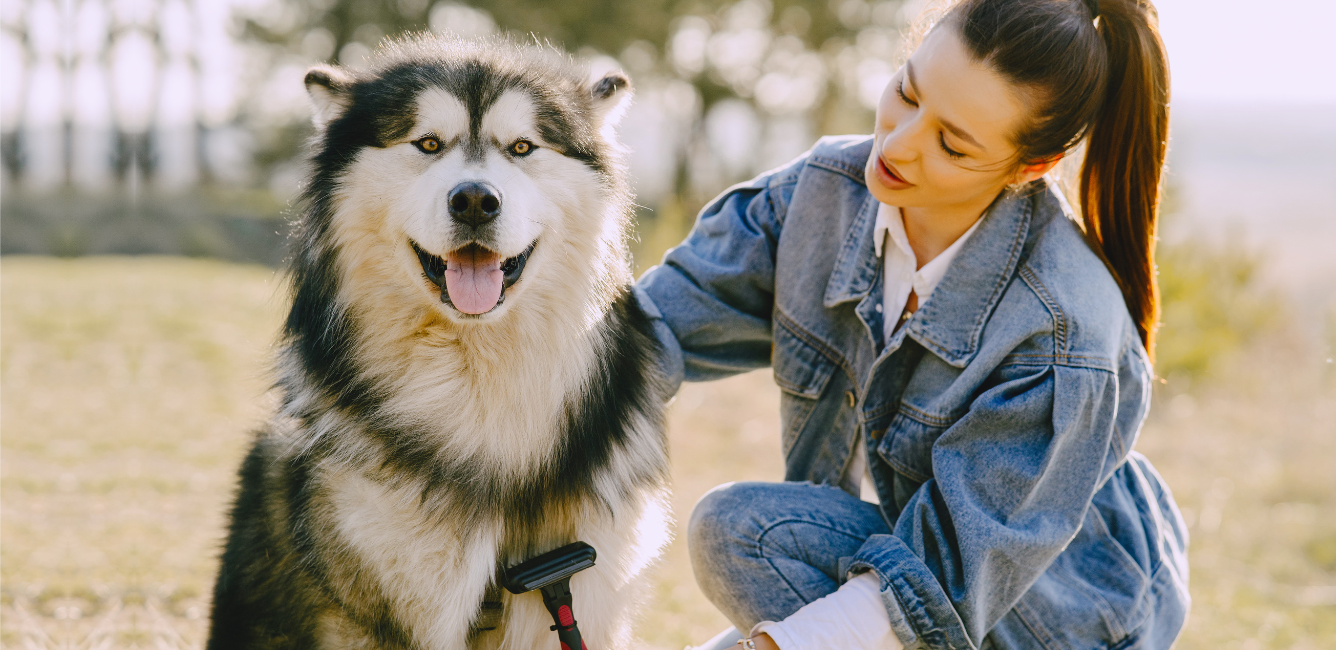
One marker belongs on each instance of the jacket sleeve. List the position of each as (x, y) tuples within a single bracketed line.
[(1012, 480), (711, 298)]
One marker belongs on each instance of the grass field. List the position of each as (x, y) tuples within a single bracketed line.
[(128, 387)]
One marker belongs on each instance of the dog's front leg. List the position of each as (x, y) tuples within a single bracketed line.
[(431, 571), (444, 603)]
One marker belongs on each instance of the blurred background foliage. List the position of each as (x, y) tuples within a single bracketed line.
[(142, 98), (1215, 303), (725, 89)]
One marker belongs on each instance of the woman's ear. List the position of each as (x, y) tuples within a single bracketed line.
[(611, 96), (330, 89), (1032, 171)]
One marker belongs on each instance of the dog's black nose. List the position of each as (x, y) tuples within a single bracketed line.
[(474, 203)]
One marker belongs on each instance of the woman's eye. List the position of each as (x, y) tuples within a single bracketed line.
[(522, 148), (428, 144), (941, 139), (900, 90)]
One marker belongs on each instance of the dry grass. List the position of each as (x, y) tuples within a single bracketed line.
[(129, 385)]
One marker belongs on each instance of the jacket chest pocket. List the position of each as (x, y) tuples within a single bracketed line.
[(907, 443), (803, 374)]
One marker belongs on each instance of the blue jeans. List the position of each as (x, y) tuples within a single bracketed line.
[(761, 551)]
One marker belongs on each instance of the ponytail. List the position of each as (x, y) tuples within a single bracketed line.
[(1094, 70), (1127, 142)]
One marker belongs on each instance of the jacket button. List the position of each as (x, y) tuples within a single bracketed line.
[(849, 396), (878, 433)]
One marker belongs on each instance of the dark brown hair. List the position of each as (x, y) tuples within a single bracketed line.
[(1104, 79)]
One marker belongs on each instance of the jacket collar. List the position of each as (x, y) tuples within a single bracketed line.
[(856, 268), (951, 323)]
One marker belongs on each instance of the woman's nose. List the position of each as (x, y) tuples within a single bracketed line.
[(899, 144)]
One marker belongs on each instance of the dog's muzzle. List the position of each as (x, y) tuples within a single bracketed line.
[(476, 275)]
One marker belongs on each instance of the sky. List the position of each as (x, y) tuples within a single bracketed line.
[(1250, 51), (1254, 94)]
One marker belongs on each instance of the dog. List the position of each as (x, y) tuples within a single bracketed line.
[(465, 377)]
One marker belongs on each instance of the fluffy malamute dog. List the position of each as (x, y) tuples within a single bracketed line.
[(466, 379)]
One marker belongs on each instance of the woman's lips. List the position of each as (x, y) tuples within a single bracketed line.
[(888, 178)]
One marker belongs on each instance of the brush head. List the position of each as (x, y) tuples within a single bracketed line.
[(550, 567)]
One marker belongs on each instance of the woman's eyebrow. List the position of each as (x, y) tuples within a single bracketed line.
[(959, 133), (955, 130)]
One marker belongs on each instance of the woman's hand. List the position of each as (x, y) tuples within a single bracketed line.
[(764, 642)]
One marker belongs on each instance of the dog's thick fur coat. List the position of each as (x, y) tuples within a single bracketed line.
[(419, 448)]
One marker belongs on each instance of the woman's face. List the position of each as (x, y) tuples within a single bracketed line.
[(944, 129)]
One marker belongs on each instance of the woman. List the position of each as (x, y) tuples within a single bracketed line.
[(945, 334)]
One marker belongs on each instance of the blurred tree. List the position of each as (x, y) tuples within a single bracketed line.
[(103, 97), (607, 26), (740, 84)]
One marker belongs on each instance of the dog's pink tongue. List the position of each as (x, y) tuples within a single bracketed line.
[(473, 277)]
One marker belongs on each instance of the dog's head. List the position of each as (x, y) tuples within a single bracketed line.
[(471, 176)]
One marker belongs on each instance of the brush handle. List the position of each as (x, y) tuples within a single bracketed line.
[(569, 636), (557, 598)]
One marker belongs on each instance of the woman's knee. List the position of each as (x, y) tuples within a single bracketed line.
[(721, 539), (744, 510), (721, 517), (762, 549)]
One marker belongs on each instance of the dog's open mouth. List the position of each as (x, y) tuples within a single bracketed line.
[(472, 279)]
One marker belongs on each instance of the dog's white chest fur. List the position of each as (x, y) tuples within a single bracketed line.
[(436, 574)]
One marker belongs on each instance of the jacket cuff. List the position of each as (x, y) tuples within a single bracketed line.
[(921, 614), (671, 363)]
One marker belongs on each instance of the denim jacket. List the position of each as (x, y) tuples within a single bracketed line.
[(999, 419)]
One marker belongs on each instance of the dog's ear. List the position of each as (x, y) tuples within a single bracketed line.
[(612, 96), (330, 89)]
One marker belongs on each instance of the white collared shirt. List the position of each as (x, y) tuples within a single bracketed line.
[(854, 617), (902, 273)]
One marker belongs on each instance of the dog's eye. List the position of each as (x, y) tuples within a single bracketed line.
[(428, 144), (522, 148)]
